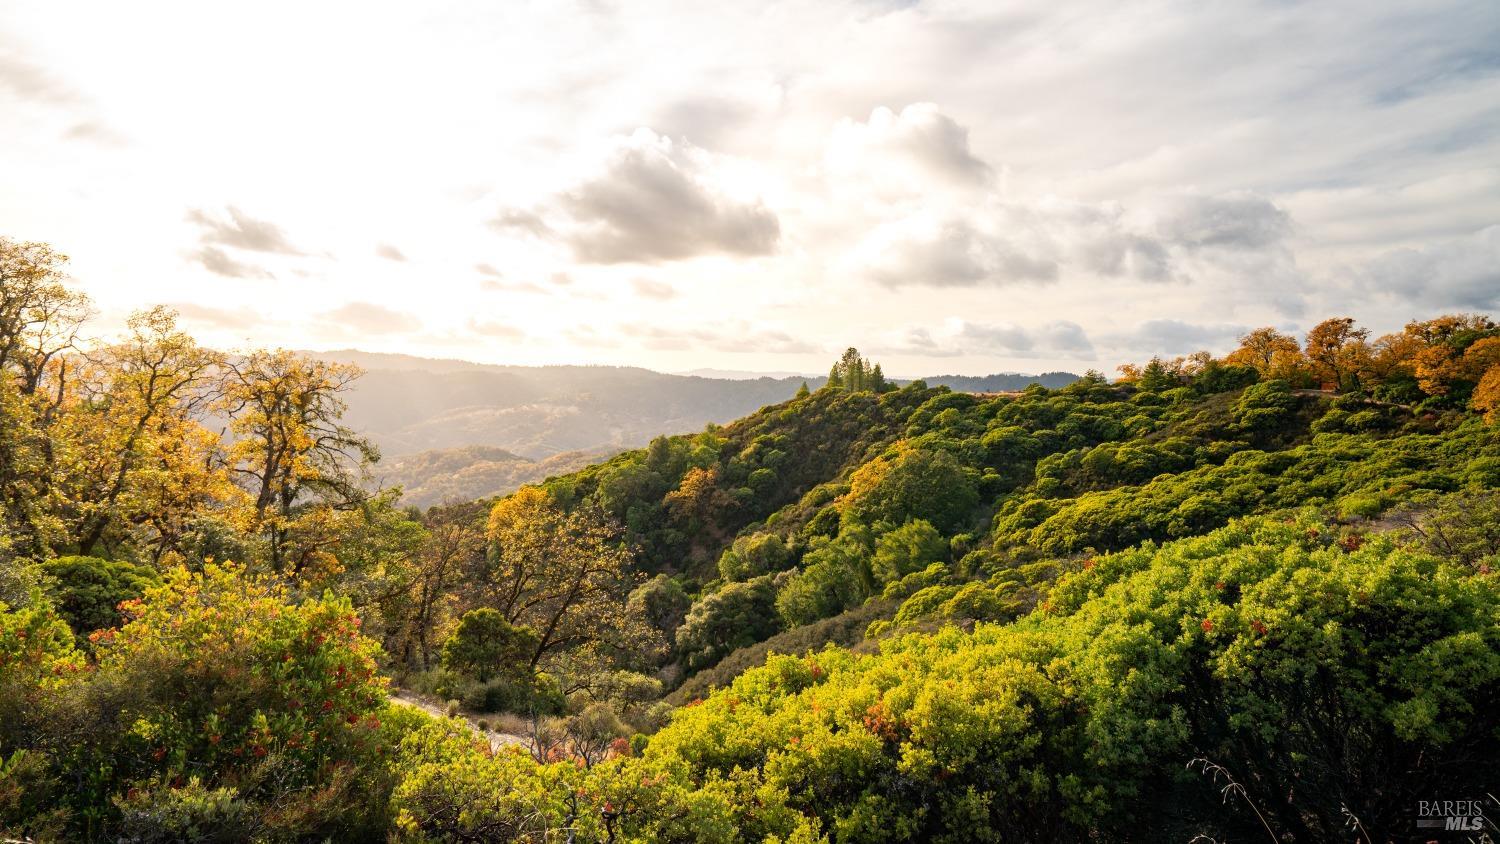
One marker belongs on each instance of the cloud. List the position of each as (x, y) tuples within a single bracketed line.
[(96, 132), (494, 285), (707, 121), (217, 317), (1056, 339), (735, 336), (30, 82), (215, 260), (1175, 337), (517, 220), (919, 341), (655, 200), (242, 232), (389, 252), (1237, 221), (653, 289), (996, 241), (1462, 273), (490, 328), (489, 270), (369, 318), (949, 252), (908, 150)]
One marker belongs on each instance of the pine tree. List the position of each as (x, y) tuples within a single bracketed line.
[(1156, 377), (802, 391), (877, 380), (834, 381), (852, 367)]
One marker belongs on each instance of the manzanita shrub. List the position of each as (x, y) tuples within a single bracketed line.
[(224, 670), (265, 707)]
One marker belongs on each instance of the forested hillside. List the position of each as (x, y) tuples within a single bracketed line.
[(1241, 598)]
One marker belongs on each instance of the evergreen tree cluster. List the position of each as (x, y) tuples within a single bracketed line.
[(855, 373)]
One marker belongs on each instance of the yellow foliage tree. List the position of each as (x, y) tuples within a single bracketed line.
[(295, 458), (1486, 398), (566, 576)]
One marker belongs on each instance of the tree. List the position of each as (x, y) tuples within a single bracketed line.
[(291, 451), (662, 602), (485, 645), (1158, 376), (40, 320), (802, 391), (737, 615), (909, 548), (835, 576), (40, 317), (452, 544), (564, 575), (142, 400), (912, 483), (1486, 398), (88, 591), (854, 373), (835, 381), (753, 555), (1338, 352), (1268, 350)]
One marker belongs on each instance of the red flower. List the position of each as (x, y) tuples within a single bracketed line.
[(1219, 586), (1208, 625), (1258, 627)]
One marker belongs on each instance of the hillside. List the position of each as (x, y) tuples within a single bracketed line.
[(868, 612), (471, 472)]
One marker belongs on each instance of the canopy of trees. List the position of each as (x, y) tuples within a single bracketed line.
[(1061, 614)]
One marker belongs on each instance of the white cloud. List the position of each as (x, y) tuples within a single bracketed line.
[(911, 152), (1058, 339), (652, 200), (369, 318), (835, 173), (242, 232), (1461, 273), (651, 289)]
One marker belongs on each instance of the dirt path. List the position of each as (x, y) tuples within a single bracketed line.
[(497, 740)]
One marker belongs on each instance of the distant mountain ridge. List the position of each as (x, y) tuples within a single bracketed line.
[(452, 428)]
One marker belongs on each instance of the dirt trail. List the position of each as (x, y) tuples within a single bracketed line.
[(432, 707)]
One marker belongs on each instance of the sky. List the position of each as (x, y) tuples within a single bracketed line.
[(952, 187)]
